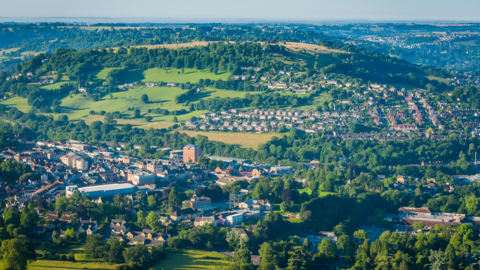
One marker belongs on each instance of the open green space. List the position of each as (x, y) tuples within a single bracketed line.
[(79, 105), (309, 192), (172, 75), (102, 73), (17, 102), (10, 50), (81, 261), (53, 86), (246, 140), (194, 259)]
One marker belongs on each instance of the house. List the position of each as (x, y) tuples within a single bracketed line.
[(198, 202), (281, 170), (165, 220), (235, 219), (255, 204), (184, 214), (89, 226), (38, 230), (314, 237), (199, 221), (402, 179), (145, 237), (119, 227)]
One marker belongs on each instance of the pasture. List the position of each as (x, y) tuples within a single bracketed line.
[(172, 75), (194, 259), (246, 140)]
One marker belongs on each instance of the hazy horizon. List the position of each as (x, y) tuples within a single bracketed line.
[(245, 11)]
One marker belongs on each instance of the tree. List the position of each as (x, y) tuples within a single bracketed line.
[(437, 260), (346, 244), (267, 255), (14, 257), (242, 260), (174, 202), (70, 234), (471, 204), (115, 251), (174, 120), (144, 98), (140, 200), (360, 234), (327, 251), (138, 257), (153, 223), (418, 225), (283, 207), (93, 247), (451, 257)]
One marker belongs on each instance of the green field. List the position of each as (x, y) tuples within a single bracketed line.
[(53, 86), (81, 261), (79, 106), (17, 102), (102, 74), (194, 259), (247, 140), (171, 75), (309, 192), (10, 50), (188, 259)]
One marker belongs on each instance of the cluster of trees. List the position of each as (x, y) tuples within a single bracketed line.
[(12, 171), (442, 248), (114, 251)]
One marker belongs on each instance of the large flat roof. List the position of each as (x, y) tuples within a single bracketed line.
[(106, 187)]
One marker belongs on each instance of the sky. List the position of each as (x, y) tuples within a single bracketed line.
[(243, 10)]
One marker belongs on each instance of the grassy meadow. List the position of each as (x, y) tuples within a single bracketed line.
[(188, 259), (247, 140), (194, 259), (172, 75)]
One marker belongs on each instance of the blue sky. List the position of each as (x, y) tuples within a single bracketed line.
[(278, 10)]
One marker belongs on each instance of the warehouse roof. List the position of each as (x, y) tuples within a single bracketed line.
[(106, 187)]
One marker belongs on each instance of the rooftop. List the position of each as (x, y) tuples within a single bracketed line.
[(106, 187)]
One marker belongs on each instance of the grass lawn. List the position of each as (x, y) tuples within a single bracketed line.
[(172, 75), (294, 220), (309, 192), (79, 106), (102, 74), (41, 264), (82, 262), (247, 140), (18, 102), (194, 259), (10, 50), (53, 86)]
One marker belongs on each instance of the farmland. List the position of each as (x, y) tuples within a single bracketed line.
[(247, 140)]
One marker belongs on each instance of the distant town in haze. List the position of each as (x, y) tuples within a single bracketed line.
[(170, 144)]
